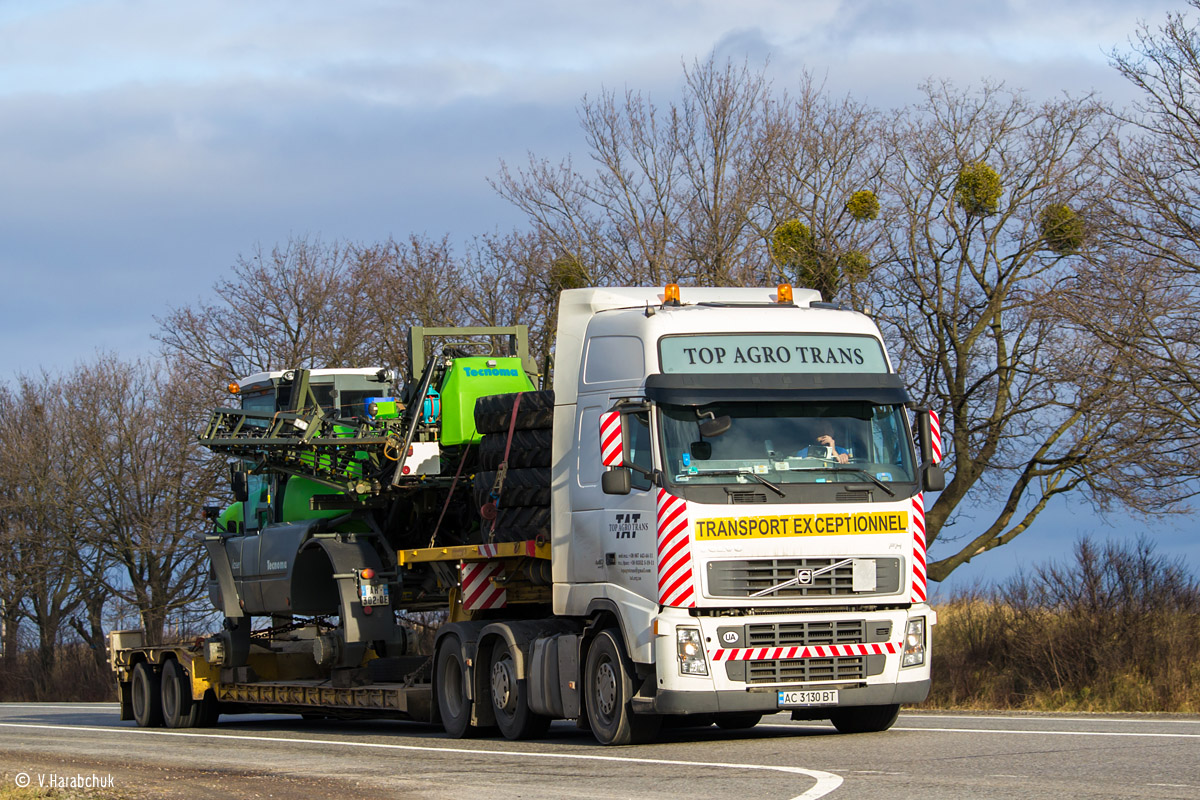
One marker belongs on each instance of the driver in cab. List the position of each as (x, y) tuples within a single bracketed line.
[(825, 446)]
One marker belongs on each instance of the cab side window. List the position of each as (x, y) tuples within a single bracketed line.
[(637, 427)]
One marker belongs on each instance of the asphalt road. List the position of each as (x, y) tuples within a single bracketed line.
[(926, 755)]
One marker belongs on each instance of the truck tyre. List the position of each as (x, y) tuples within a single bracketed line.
[(864, 719), (528, 449), (738, 720), (454, 703), (178, 708), (609, 688), (510, 698), (147, 696), (522, 487), (493, 412)]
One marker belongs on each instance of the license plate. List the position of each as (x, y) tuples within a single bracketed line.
[(808, 697), (373, 594)]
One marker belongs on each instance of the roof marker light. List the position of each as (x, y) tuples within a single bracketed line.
[(783, 293), (233, 387), (671, 294)]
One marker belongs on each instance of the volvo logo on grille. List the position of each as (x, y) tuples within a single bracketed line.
[(804, 577)]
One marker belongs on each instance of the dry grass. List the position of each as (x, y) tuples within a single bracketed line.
[(1116, 630)]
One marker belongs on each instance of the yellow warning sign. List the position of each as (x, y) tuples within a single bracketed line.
[(801, 525)]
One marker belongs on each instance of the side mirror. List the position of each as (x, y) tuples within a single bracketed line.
[(929, 434), (617, 481), (935, 478), (237, 482)]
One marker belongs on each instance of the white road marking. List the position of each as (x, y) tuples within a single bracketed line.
[(1023, 717), (826, 782), (1053, 733)]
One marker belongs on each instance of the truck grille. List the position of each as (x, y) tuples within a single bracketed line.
[(805, 670), (746, 577), (804, 634)]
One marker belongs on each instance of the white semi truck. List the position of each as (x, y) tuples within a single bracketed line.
[(718, 515)]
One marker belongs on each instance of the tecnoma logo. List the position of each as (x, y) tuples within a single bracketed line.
[(491, 372)]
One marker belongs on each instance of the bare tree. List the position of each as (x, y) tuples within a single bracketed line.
[(146, 482), (1150, 300), (293, 306), (1032, 407), (37, 505), (673, 191)]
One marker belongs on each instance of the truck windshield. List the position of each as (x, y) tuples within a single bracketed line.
[(786, 443)]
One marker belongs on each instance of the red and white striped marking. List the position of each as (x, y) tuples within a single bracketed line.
[(675, 578), (610, 439), (811, 651), (935, 436), (918, 532), (478, 591)]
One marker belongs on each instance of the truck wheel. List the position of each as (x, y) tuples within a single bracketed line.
[(178, 708), (510, 698), (454, 704), (529, 449), (608, 679), (494, 411), (147, 696), (865, 719), (738, 720)]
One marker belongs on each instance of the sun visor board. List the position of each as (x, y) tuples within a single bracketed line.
[(469, 379)]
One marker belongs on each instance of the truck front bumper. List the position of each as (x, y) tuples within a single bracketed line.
[(677, 702)]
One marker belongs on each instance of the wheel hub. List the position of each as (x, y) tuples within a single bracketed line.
[(503, 682), (606, 688)]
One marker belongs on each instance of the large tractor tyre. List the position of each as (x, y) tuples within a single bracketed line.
[(520, 524), (522, 487), (454, 702), (146, 689), (510, 698), (608, 688), (865, 719), (528, 449), (178, 708), (493, 412)]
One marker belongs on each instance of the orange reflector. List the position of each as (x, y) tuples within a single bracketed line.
[(367, 574), (671, 293), (233, 387), (784, 293)]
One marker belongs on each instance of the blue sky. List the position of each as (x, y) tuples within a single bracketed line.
[(144, 144)]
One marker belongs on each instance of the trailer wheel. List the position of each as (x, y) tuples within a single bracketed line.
[(738, 720), (608, 679), (178, 708), (454, 703), (147, 696), (865, 719), (510, 698)]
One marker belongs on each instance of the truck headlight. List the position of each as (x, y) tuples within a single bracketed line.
[(691, 651), (914, 643)]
